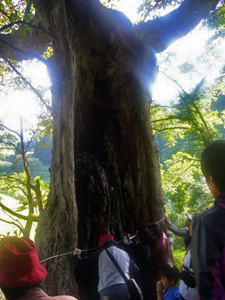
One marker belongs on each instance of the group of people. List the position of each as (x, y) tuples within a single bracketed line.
[(203, 271), (142, 260), (148, 260)]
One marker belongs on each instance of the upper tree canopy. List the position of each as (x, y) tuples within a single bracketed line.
[(158, 33)]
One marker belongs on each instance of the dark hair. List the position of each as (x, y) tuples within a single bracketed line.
[(144, 235), (213, 163), (12, 293), (156, 230), (171, 272)]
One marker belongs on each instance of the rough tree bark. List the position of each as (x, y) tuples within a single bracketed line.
[(105, 167)]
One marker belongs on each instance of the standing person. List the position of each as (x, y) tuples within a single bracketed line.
[(188, 288), (166, 288), (111, 285), (140, 252), (160, 256), (21, 272), (182, 232), (208, 239)]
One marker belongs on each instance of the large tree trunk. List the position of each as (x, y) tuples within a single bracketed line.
[(105, 170), (103, 145)]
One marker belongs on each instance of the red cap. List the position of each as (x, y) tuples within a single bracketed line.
[(19, 263), (105, 238)]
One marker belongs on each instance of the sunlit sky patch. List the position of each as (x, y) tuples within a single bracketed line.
[(191, 48), (129, 8), (188, 49), (18, 103)]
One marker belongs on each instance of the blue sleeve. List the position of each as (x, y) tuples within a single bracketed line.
[(177, 295)]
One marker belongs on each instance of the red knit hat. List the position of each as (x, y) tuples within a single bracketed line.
[(105, 238), (19, 263)]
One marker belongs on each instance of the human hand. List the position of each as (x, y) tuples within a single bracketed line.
[(126, 239), (159, 287), (167, 221), (77, 251)]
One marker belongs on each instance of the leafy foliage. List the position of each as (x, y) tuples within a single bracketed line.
[(185, 129), (15, 186), (109, 3), (155, 8), (13, 13), (216, 19), (18, 182)]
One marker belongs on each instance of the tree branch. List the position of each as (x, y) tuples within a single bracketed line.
[(14, 52), (12, 223), (34, 219), (13, 178), (170, 128), (8, 144), (161, 32), (10, 130), (29, 84), (175, 81), (20, 23), (165, 119), (30, 46), (4, 13)]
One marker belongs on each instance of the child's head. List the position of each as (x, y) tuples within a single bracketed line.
[(169, 275), (144, 235), (156, 230), (213, 166)]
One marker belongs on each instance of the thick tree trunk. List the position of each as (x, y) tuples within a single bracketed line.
[(103, 144)]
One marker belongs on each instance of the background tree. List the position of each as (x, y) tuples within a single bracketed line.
[(105, 161), (195, 120), (183, 130), (31, 191)]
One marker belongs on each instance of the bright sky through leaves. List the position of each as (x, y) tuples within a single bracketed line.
[(192, 50), (129, 8), (16, 103)]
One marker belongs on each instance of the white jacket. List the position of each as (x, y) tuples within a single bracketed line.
[(187, 292), (108, 273)]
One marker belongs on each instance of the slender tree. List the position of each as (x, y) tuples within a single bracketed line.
[(105, 170), (21, 184)]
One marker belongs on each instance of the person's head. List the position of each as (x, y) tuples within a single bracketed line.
[(188, 220), (193, 218), (155, 230), (105, 238), (169, 275), (20, 267), (143, 235), (213, 166)]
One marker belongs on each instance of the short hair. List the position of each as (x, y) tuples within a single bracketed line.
[(195, 216), (155, 229), (171, 272), (213, 163), (144, 235)]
